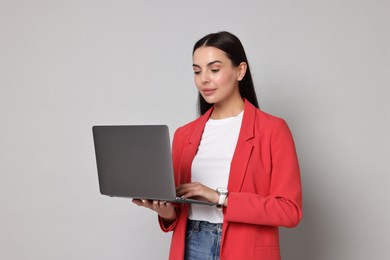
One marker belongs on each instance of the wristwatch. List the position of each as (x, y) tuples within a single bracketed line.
[(222, 192)]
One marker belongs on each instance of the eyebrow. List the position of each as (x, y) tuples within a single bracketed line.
[(208, 64)]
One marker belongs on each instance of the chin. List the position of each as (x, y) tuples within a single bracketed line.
[(209, 100)]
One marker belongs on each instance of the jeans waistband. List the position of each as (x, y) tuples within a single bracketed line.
[(204, 225)]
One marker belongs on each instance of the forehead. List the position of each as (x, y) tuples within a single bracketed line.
[(205, 55)]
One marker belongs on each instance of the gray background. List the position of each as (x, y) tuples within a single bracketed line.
[(324, 66)]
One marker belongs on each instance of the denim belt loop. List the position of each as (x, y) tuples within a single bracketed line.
[(196, 225)]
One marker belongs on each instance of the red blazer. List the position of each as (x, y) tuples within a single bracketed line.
[(264, 186)]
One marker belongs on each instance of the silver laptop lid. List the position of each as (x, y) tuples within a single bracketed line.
[(134, 161)]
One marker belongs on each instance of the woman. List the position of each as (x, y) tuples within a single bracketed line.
[(234, 155)]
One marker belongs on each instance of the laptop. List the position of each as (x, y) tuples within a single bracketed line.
[(134, 161)]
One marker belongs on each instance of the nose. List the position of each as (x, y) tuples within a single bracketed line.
[(205, 78)]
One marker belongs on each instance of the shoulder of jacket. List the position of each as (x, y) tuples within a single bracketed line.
[(268, 123), (260, 115), (264, 116), (188, 128)]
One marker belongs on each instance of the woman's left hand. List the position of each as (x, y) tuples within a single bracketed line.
[(197, 190)]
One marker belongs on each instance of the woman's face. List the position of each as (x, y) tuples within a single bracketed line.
[(215, 76)]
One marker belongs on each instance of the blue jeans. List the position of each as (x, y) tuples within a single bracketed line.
[(203, 240)]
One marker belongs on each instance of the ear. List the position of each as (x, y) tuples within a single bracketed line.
[(241, 70)]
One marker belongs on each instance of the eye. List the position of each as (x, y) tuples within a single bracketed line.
[(197, 72), (214, 70)]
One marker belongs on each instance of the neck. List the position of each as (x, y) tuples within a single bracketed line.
[(224, 110)]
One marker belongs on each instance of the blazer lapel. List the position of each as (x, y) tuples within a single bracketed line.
[(243, 149), (241, 154), (192, 147)]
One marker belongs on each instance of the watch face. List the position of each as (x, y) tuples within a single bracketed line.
[(223, 191)]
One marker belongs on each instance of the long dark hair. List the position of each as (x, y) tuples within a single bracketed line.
[(233, 48)]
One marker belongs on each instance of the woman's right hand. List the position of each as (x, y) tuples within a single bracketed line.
[(164, 209)]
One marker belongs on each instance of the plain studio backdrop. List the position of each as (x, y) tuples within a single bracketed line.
[(324, 66)]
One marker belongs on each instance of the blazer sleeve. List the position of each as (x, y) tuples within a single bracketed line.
[(283, 205), (176, 155)]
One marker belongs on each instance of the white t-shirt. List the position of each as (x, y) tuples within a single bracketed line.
[(211, 165)]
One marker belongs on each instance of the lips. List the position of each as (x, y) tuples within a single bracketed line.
[(208, 91)]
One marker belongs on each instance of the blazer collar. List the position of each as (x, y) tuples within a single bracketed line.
[(247, 127), (198, 131), (242, 151)]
